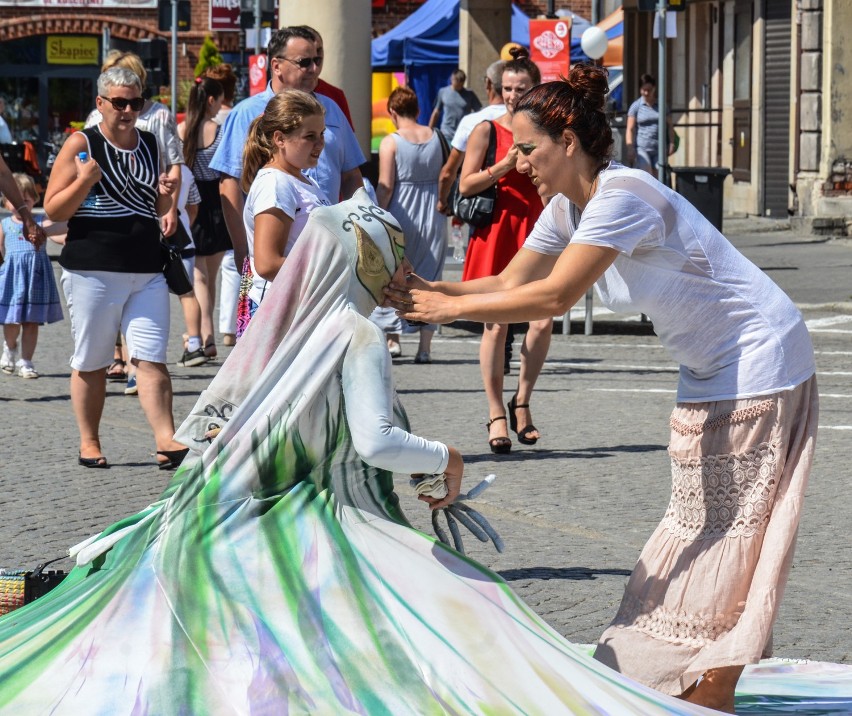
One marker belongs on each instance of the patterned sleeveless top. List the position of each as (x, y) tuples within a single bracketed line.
[(201, 168), (116, 227)]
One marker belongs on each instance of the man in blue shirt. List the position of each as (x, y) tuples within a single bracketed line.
[(295, 64)]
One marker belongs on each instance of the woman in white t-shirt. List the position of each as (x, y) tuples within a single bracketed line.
[(286, 139), (705, 592)]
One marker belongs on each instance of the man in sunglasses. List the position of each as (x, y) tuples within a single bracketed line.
[(294, 63)]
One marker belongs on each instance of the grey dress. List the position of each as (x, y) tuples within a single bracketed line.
[(414, 204)]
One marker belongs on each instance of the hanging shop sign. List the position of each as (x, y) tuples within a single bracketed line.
[(225, 15), (125, 4), (72, 50)]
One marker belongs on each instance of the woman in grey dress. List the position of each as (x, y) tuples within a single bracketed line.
[(410, 161)]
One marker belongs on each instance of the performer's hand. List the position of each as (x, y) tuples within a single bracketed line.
[(453, 479)]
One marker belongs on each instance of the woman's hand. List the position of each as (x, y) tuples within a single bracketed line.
[(89, 171), (32, 231), (167, 184), (427, 306), (453, 477)]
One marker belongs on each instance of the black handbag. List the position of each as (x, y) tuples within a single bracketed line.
[(477, 210), (20, 586), (177, 278)]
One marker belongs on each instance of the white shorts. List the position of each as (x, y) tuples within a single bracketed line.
[(100, 303)]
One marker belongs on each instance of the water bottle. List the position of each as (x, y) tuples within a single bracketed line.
[(83, 156), (457, 242)]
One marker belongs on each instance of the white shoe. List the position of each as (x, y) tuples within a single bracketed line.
[(394, 349), (26, 369), (8, 360)]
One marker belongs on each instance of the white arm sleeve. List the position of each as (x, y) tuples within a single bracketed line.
[(368, 396)]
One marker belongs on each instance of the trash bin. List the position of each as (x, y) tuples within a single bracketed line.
[(618, 124), (703, 187)]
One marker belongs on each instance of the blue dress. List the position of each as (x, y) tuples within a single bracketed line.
[(28, 291)]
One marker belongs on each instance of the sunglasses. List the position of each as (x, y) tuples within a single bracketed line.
[(304, 63), (525, 148), (120, 103)]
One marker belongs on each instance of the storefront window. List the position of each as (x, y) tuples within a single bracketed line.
[(21, 95)]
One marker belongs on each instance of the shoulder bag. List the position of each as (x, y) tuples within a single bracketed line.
[(477, 210), (177, 278)]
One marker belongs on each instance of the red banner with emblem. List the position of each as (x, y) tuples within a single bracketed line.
[(257, 74), (550, 47)]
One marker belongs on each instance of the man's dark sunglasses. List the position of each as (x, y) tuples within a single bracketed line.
[(121, 103), (304, 63)]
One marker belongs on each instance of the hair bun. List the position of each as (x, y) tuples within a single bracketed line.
[(590, 81), (519, 52)]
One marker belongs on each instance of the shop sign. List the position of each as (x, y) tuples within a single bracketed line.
[(225, 15), (550, 47), (126, 4), (72, 50)]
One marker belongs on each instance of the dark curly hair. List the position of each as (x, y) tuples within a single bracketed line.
[(575, 102)]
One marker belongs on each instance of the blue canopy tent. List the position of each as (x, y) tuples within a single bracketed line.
[(426, 46)]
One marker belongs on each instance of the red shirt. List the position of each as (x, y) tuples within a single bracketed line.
[(335, 93)]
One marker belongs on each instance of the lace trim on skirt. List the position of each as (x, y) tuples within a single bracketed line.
[(682, 627), (735, 416), (723, 495)]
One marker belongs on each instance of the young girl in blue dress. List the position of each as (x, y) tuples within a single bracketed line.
[(28, 294)]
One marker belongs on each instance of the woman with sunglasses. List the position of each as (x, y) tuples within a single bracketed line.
[(492, 247), (108, 184), (705, 592)]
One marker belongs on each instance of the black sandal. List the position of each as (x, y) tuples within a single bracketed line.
[(117, 370), (513, 423), (175, 458), (499, 445), (100, 462)]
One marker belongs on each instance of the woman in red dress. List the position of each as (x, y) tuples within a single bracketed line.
[(491, 249)]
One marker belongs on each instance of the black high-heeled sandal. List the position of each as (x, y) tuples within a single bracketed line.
[(96, 462), (513, 423), (175, 458), (499, 445)]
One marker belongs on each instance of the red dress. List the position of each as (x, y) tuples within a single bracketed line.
[(516, 210)]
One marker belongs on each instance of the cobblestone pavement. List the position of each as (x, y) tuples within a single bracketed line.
[(574, 510)]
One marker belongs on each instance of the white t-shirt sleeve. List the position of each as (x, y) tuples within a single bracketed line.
[(617, 219), (620, 220), (552, 231), (276, 191)]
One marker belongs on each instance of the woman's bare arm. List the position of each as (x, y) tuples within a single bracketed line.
[(387, 171)]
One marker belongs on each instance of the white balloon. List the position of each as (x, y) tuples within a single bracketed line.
[(594, 42)]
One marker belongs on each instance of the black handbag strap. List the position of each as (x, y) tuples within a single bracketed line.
[(445, 145), (491, 152)]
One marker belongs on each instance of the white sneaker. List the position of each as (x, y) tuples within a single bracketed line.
[(8, 360), (26, 369)]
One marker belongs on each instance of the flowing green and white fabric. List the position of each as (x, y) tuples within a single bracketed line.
[(277, 573)]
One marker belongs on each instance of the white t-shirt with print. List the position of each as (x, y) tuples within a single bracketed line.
[(733, 331), (273, 188)]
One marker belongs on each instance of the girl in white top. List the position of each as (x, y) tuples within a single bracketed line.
[(286, 139), (706, 590)]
